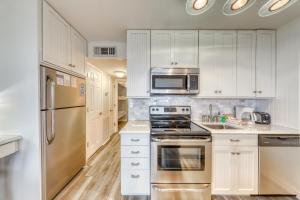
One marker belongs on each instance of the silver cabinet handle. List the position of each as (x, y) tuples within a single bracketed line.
[(135, 176), (235, 153), (233, 140), (135, 152), (135, 140), (260, 92), (135, 164)]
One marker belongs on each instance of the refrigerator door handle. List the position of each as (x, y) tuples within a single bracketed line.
[(50, 92), (50, 130)]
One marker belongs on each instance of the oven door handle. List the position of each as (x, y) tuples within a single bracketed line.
[(157, 188), (188, 82), (180, 140)]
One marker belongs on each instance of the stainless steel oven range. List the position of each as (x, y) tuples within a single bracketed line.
[(180, 155)]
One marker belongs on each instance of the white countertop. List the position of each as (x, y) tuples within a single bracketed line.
[(4, 139), (136, 127), (255, 129), (144, 128)]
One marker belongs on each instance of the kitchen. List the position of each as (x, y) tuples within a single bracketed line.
[(208, 92)]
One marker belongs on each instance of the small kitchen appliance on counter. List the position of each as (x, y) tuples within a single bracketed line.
[(180, 155), (262, 118)]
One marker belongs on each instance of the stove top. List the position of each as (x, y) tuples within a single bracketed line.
[(174, 120)]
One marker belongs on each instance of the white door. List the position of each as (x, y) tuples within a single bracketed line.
[(112, 107), (94, 109), (56, 34), (161, 49), (247, 171), (246, 48), (105, 108), (185, 49), (207, 64), (265, 63), (77, 52), (226, 62), (222, 170), (138, 63)]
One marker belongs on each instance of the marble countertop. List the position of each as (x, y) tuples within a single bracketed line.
[(4, 139), (255, 129), (144, 128), (136, 127)]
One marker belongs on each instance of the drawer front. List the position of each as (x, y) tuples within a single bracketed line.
[(135, 163), (135, 139), (135, 182), (235, 140), (135, 151)]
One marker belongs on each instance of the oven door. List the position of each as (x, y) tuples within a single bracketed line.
[(169, 84), (181, 191), (181, 159)]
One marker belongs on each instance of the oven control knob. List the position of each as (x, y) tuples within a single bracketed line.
[(182, 109), (153, 109), (156, 109), (187, 109)]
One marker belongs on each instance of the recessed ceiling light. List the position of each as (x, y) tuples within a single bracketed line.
[(234, 7), (119, 74), (197, 7), (275, 6), (199, 4)]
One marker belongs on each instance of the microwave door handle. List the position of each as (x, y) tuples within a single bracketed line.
[(188, 82)]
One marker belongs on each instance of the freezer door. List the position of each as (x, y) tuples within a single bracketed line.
[(61, 90), (63, 147)]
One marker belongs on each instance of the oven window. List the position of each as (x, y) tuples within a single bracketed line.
[(181, 158), (169, 82)]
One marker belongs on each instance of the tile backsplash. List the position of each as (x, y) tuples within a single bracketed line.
[(139, 108)]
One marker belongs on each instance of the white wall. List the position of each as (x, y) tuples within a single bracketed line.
[(20, 174), (286, 106)]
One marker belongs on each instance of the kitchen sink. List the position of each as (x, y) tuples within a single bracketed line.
[(220, 126)]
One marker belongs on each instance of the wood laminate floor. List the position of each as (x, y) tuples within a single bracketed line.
[(100, 180)]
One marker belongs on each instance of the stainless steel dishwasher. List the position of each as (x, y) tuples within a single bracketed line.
[(279, 164)]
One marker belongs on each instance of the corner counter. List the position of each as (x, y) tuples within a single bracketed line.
[(9, 144)]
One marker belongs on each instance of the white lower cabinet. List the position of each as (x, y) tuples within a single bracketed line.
[(135, 164), (235, 169)]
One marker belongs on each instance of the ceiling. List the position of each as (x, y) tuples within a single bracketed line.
[(107, 20), (109, 65)]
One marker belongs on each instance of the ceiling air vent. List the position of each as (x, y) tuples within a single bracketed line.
[(105, 51)]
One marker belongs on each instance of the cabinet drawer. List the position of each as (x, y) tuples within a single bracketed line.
[(135, 151), (135, 139), (135, 182), (135, 163), (235, 140)]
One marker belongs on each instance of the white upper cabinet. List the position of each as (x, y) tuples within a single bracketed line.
[(78, 51), (217, 62), (55, 38), (174, 48), (63, 47), (161, 49), (138, 63), (265, 64), (246, 48)]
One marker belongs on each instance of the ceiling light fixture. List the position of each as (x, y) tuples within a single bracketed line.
[(119, 74), (234, 7), (275, 6), (197, 7)]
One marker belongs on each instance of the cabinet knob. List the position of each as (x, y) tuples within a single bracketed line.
[(254, 92), (216, 91), (100, 113), (260, 92), (233, 153), (172, 63), (176, 63), (220, 91)]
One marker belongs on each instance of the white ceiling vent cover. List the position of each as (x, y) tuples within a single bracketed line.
[(105, 51)]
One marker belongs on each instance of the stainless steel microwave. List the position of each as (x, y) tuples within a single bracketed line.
[(174, 81)]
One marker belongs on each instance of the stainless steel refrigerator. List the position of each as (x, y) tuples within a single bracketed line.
[(63, 129)]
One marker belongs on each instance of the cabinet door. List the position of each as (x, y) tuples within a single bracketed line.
[(247, 171), (161, 49), (226, 62), (207, 63), (78, 49), (185, 49), (56, 33), (265, 64), (138, 63), (222, 170), (246, 45)]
